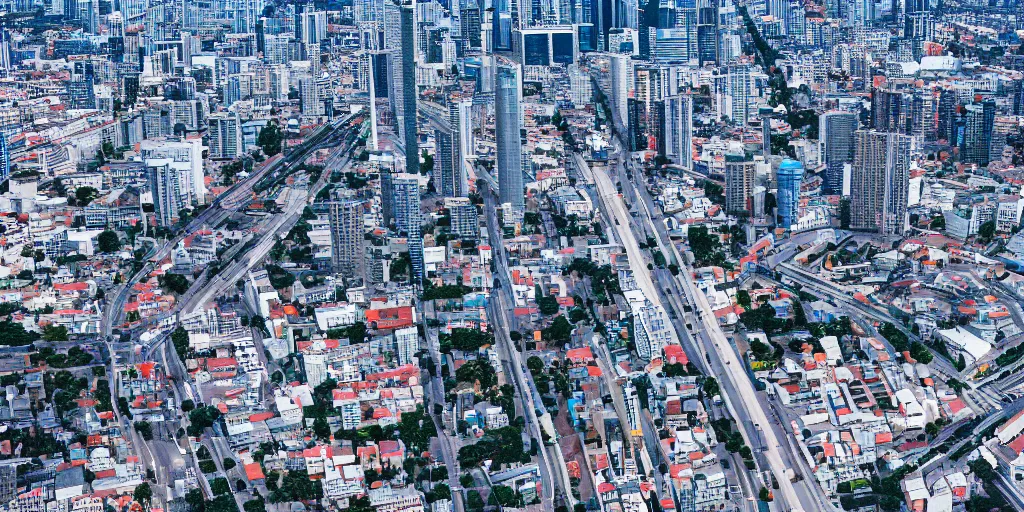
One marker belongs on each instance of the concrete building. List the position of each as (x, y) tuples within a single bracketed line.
[(347, 238), (739, 184), (791, 174), (836, 131), (507, 132), (881, 182)]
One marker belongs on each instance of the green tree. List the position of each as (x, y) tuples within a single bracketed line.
[(228, 463), (220, 486), (548, 305), (108, 241), (55, 333), (706, 247), (143, 494), (85, 195), (477, 370), (176, 283), (987, 230), (254, 505), (144, 429), (504, 496), (844, 213), (270, 139), (474, 501), (559, 331), (710, 386)]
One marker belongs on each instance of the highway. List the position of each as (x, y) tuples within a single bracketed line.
[(499, 308), (156, 456), (738, 391)]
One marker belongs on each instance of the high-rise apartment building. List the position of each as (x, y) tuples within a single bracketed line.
[(791, 175), (408, 217), (347, 238), (186, 157), (678, 130), (409, 91), (169, 197), (225, 135), (836, 131), (739, 184), (979, 120), (507, 134), (465, 220), (740, 85), (881, 182)]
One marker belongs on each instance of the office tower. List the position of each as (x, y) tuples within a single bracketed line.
[(880, 182), (347, 238), (791, 174), (470, 21), (917, 20), (836, 131), (313, 27), (465, 220), (888, 111), (80, 90), (621, 74), (739, 184), (678, 130), (5, 158), (309, 96), (647, 25), (979, 120), (387, 196), (406, 204), (1002, 128), (409, 134), (407, 343), (447, 173), (707, 32), (947, 130), (646, 110), (508, 138), (450, 178), (225, 135), (186, 156), (861, 13), (739, 93), (169, 197)]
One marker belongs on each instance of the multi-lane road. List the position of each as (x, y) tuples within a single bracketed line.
[(158, 455), (554, 477), (709, 342)]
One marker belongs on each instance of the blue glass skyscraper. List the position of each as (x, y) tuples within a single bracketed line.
[(791, 174)]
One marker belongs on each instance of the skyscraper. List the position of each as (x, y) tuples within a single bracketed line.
[(5, 158), (409, 134), (881, 182), (791, 174), (450, 178), (507, 135), (465, 221), (739, 183), (947, 129), (707, 31), (169, 198), (347, 238), (979, 120), (406, 201), (836, 133), (739, 88), (225, 135), (678, 131)]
